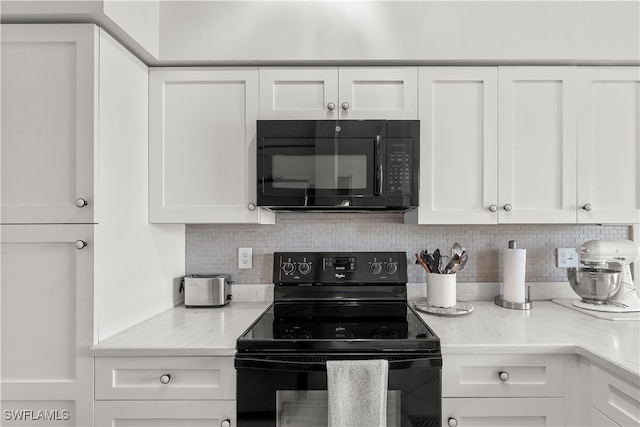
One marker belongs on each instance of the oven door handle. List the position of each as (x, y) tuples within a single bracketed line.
[(320, 366)]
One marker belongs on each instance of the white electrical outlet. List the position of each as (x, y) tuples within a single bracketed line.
[(566, 257), (245, 258)]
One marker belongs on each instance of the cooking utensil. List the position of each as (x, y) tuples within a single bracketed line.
[(463, 260), (594, 285), (436, 258), (456, 249), (420, 261)]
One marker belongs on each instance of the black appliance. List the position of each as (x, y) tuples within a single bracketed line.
[(338, 165), (336, 306)]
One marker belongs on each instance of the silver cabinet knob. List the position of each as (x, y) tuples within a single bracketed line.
[(493, 208), (345, 106), (81, 203), (507, 207), (331, 106), (225, 423), (452, 422), (79, 244), (587, 207), (251, 206), (164, 379), (504, 376)]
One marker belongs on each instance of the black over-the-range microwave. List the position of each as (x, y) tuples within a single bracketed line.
[(338, 165)]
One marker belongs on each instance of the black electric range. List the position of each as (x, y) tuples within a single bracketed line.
[(337, 306)]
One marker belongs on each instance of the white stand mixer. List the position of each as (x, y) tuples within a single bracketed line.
[(615, 255)]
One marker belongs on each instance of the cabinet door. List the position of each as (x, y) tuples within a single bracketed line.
[(609, 145), (615, 397), (502, 412), (378, 93), (299, 93), (598, 419), (202, 146), (204, 413), (537, 144), (458, 146), (48, 131), (47, 324)]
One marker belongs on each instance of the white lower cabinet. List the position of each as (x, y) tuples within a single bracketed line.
[(47, 324), (165, 391), (496, 412), (503, 390), (598, 419), (162, 413), (614, 399)]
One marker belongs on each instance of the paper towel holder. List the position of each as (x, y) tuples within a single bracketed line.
[(526, 305)]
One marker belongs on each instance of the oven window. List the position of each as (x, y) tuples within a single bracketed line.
[(309, 408), (320, 171)]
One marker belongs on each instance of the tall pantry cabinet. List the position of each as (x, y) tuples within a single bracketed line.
[(74, 215)]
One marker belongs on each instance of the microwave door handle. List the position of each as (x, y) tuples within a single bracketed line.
[(378, 161)]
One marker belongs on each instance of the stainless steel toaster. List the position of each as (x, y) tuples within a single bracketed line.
[(206, 290)]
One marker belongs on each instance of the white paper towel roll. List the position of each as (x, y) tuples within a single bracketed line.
[(514, 262)]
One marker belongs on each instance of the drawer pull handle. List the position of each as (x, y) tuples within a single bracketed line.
[(226, 423), (81, 203), (165, 378), (452, 422), (504, 376)]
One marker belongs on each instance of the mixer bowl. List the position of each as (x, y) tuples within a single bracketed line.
[(594, 285)]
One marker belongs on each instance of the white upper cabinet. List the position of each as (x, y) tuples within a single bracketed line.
[(298, 93), (339, 93), (458, 146), (48, 127), (609, 145), (537, 144), (202, 146)]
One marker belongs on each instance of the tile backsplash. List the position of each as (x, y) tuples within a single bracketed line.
[(214, 248)]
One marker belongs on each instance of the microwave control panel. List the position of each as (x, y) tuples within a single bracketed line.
[(399, 166)]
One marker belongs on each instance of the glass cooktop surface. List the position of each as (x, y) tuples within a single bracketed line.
[(375, 327)]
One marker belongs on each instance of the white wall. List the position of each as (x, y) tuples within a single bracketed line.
[(434, 31), (139, 19), (138, 265)]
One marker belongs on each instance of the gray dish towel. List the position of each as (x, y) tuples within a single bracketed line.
[(357, 392)]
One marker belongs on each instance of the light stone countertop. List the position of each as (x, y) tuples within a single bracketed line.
[(489, 329), (546, 328), (185, 331)]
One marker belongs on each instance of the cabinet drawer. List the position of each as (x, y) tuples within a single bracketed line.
[(503, 412), (615, 397), (522, 376), (165, 378), (165, 413)]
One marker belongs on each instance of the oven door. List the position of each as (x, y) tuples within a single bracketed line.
[(292, 391), (306, 164)]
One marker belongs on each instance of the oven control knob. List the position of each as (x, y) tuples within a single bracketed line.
[(288, 267), (304, 267), (375, 267), (288, 335), (376, 334), (391, 267), (392, 334), (304, 335)]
